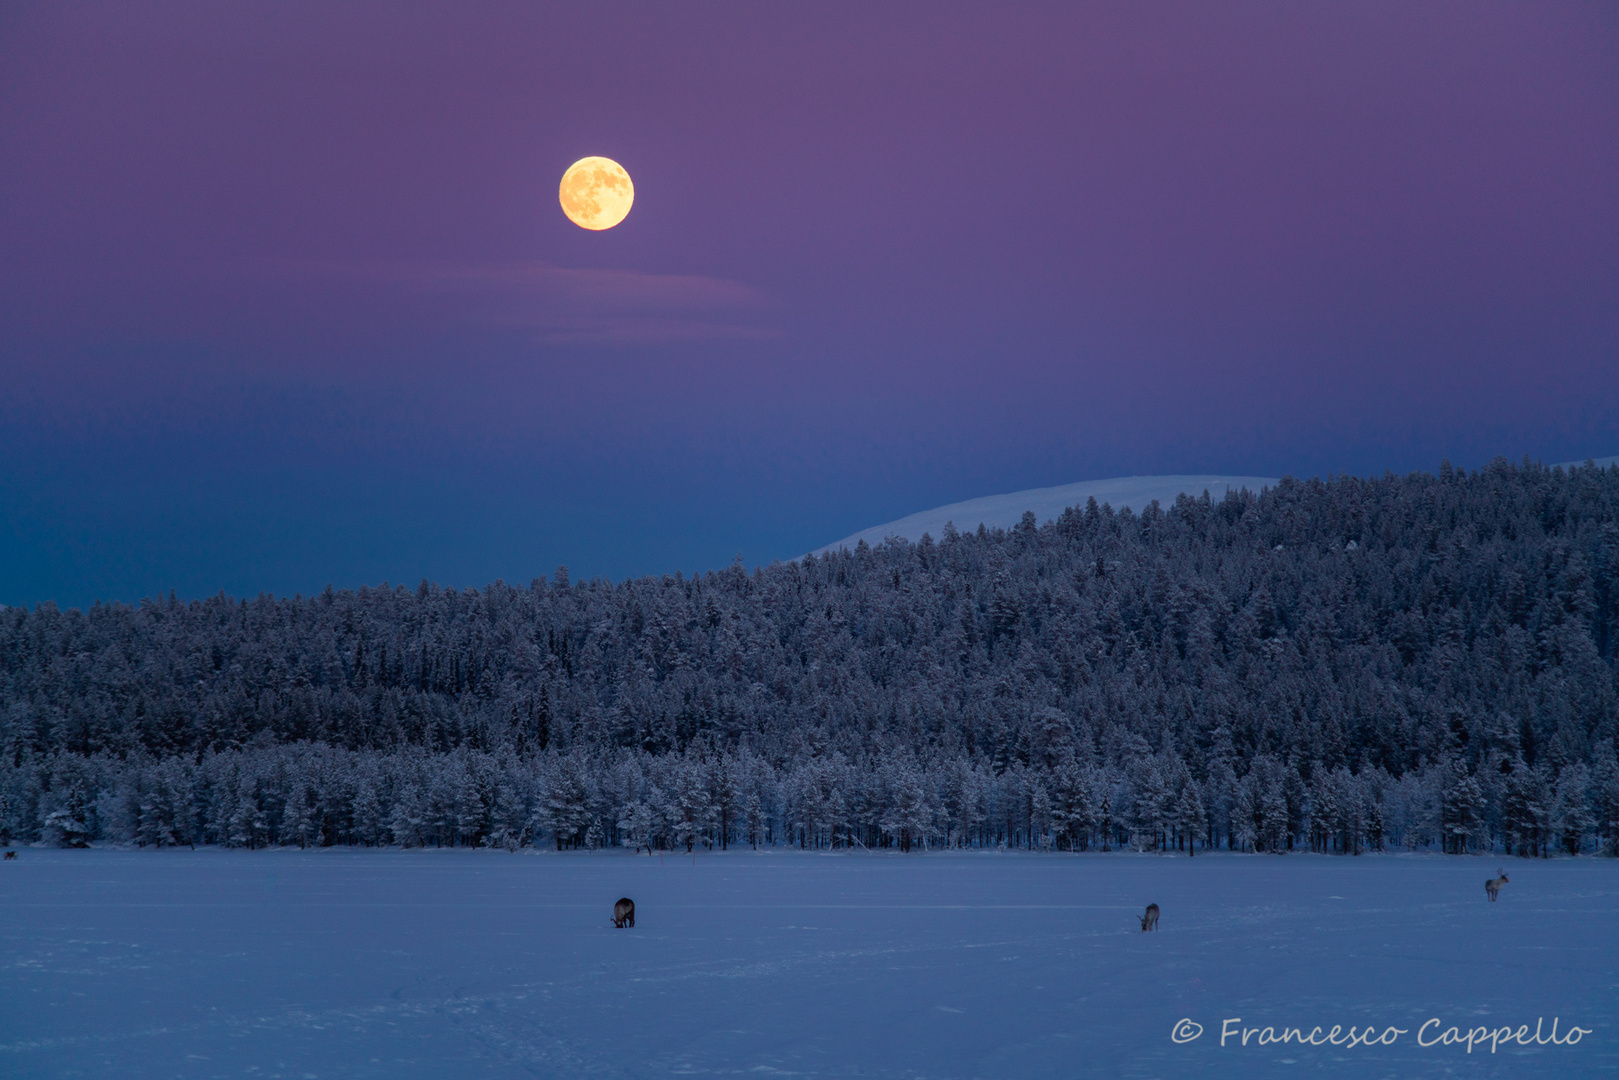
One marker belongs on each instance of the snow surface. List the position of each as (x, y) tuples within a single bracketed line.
[(346, 963), (1004, 511)]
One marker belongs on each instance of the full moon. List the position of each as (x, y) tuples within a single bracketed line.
[(596, 193)]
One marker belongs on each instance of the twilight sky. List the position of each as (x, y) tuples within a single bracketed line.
[(286, 297)]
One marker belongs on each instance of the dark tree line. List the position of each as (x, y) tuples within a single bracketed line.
[(1338, 665)]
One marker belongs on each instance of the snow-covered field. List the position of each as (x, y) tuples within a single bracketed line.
[(1047, 504), (473, 964)]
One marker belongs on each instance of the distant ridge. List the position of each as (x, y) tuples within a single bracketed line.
[(1136, 492), (1004, 511)]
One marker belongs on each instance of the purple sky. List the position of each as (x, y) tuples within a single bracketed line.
[(286, 297)]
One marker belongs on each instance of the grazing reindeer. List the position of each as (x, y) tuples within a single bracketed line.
[(624, 914), (1493, 886), (1149, 921), (11, 854)]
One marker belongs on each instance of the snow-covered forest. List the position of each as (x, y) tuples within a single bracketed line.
[(1401, 662)]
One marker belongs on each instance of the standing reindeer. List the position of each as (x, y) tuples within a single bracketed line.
[(1493, 886), (1149, 921), (624, 914), (11, 854)]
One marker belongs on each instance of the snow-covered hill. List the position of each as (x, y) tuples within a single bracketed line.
[(1004, 511)]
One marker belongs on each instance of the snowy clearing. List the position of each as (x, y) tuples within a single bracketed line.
[(1003, 511), (345, 963)]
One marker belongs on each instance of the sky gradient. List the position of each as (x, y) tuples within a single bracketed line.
[(286, 297)]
